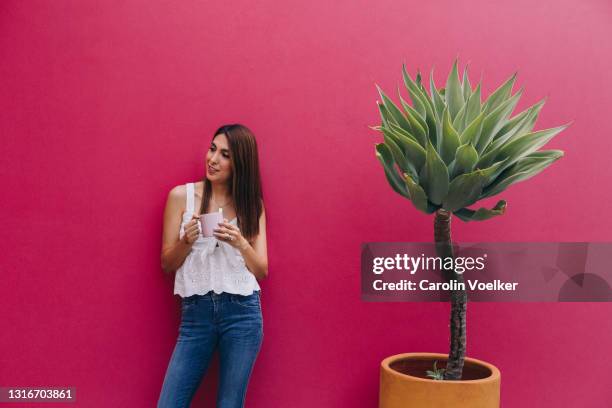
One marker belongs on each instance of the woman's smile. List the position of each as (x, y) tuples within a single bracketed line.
[(212, 170)]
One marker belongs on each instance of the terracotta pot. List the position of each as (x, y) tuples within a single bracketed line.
[(401, 384)]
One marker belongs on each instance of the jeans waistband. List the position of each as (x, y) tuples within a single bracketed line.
[(219, 296)]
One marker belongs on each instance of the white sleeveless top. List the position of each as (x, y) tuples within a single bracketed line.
[(211, 264)]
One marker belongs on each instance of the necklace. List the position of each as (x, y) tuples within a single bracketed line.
[(221, 206)]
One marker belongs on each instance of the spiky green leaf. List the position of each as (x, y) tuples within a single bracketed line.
[(397, 153), (459, 121), (384, 114), (499, 95), (482, 213), (413, 152), (473, 106), (466, 88), (418, 94), (426, 105), (386, 159), (450, 139), (494, 170), (398, 129), (417, 194), (434, 176), (495, 120), (471, 134), (453, 94), (414, 92), (464, 190), (465, 160), (395, 113), (418, 126), (520, 147), (517, 126), (524, 169), (438, 100)]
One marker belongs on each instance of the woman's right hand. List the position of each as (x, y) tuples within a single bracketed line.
[(192, 230)]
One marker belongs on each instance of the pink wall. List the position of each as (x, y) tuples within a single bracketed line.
[(105, 106)]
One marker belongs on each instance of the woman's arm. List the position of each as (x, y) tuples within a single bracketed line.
[(255, 254), (174, 250)]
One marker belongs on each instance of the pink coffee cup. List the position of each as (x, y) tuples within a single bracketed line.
[(209, 222)]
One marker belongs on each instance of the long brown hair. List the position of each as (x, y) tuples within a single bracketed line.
[(245, 183)]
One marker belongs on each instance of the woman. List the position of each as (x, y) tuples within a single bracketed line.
[(216, 277)]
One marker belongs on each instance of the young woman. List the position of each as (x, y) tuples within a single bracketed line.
[(216, 277)]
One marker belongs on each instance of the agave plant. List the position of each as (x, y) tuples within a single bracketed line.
[(448, 150)]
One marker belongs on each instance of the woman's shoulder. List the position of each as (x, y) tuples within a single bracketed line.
[(181, 190), (178, 192)]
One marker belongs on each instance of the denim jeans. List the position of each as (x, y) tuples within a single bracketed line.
[(230, 323)]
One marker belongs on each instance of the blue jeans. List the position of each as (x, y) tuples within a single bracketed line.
[(232, 324)]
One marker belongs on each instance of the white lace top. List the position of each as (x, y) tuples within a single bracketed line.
[(211, 264)]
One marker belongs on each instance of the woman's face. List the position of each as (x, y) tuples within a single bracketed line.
[(218, 160)]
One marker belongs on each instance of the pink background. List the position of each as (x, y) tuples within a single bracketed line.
[(105, 106)]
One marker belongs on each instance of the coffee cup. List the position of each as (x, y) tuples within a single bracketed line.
[(209, 222)]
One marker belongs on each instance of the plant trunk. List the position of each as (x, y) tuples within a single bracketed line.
[(444, 249)]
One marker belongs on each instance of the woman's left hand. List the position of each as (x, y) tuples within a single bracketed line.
[(230, 233)]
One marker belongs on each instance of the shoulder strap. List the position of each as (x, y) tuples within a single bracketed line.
[(190, 197)]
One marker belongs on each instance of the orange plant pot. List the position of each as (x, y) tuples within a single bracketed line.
[(401, 384)]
